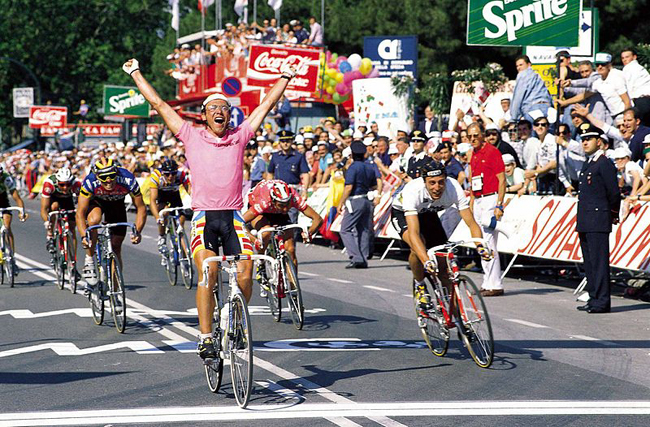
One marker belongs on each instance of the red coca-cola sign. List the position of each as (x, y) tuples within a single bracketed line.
[(266, 64), (41, 116)]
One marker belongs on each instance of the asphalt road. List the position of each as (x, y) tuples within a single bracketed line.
[(360, 359)]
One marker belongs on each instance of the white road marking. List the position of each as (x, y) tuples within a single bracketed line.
[(407, 295), (525, 323), (374, 411), (332, 344), (598, 340), (331, 279), (70, 349), (377, 288), (28, 314), (304, 273), (277, 388)]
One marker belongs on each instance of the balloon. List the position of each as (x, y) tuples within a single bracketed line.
[(328, 55), (355, 61), (339, 77), (356, 75), (343, 58), (366, 66), (342, 89), (374, 73), (329, 90), (347, 78), (335, 56), (345, 67), (331, 72)]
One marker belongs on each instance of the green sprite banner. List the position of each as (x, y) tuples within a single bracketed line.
[(523, 22), (124, 101)]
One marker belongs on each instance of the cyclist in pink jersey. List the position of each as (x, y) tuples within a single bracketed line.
[(215, 155)]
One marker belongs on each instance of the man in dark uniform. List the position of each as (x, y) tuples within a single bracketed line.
[(599, 200), (419, 157), (356, 228)]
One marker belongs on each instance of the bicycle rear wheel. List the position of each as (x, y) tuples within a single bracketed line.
[(214, 370), (273, 284), (185, 260), (292, 286), (432, 323), (96, 298), (71, 262), (8, 260), (117, 295), (59, 260), (241, 351), (170, 268), (477, 336)]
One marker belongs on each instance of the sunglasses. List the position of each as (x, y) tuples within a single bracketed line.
[(107, 178), (491, 133), (169, 173), (541, 124), (214, 107), (565, 132)]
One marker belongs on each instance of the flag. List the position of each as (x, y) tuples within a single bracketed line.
[(175, 14), (204, 4), (239, 6), (275, 4)]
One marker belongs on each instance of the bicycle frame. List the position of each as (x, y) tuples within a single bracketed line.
[(7, 261), (277, 240)]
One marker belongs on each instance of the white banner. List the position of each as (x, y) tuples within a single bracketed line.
[(470, 104), (23, 99), (374, 101)]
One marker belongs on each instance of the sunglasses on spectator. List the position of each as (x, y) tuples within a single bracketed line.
[(214, 107), (542, 124), (374, 145), (565, 132), (491, 133)]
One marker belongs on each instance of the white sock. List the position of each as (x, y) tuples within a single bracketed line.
[(224, 319), (204, 336), (417, 284), (89, 259)]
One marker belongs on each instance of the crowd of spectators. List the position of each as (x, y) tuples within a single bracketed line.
[(235, 40)]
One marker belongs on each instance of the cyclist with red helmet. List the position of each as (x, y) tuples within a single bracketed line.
[(58, 193)]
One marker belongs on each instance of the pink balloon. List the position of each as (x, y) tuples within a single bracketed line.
[(348, 77), (328, 56), (343, 58), (338, 61), (374, 73), (342, 88), (356, 74)]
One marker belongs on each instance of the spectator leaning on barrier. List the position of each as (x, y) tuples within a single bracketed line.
[(488, 187), (598, 205), (631, 174), (572, 157), (544, 171), (530, 93), (514, 174), (637, 81)]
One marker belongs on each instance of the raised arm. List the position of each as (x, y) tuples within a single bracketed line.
[(171, 118), (257, 116)]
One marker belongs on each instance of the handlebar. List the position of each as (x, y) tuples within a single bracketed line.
[(12, 208), (230, 258), (450, 246), (60, 212), (280, 229), (170, 210), (105, 226)]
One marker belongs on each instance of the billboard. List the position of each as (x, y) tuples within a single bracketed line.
[(124, 101), (41, 116), (23, 100), (523, 22), (374, 101), (267, 62), (100, 130), (393, 54)]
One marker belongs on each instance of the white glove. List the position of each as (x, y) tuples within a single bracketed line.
[(131, 66)]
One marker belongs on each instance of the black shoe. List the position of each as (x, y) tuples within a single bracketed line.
[(206, 349), (585, 307), (353, 264), (598, 310)]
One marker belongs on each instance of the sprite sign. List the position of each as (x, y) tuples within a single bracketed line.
[(523, 22), (124, 101)]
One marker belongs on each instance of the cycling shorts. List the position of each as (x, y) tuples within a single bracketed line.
[(430, 227), (211, 229), (65, 203), (113, 211), (171, 199)]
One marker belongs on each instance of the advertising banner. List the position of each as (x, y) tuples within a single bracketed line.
[(267, 62), (41, 116), (374, 101), (393, 55), (23, 100), (523, 22), (100, 130), (124, 101)]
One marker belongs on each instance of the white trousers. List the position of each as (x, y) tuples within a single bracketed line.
[(483, 213)]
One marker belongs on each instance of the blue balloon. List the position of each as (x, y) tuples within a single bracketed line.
[(345, 66)]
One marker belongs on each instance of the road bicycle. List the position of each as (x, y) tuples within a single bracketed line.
[(235, 341), (470, 316), (64, 257), (282, 282), (8, 268), (178, 254), (110, 280)]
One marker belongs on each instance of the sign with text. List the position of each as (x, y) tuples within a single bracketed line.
[(124, 101), (523, 22), (100, 130), (267, 62), (23, 100), (41, 116), (393, 55)]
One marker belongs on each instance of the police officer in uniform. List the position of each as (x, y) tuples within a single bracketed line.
[(599, 200), (356, 228), (419, 157)]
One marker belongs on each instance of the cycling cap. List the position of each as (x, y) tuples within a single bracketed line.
[(64, 175), (169, 165), (432, 169), (213, 97), (280, 192)]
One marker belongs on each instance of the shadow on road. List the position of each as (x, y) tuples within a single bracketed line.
[(319, 323), (51, 377)]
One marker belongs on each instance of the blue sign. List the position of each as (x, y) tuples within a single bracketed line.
[(231, 86), (236, 116), (393, 55)]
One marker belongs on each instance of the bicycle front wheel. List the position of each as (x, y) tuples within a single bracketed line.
[(117, 295), (9, 261), (59, 260), (185, 260), (169, 256), (477, 335), (292, 286), (432, 323), (273, 282), (71, 262), (96, 298), (241, 351)]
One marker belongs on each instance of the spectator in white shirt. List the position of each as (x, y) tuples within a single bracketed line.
[(545, 163), (631, 173), (514, 175), (637, 80)]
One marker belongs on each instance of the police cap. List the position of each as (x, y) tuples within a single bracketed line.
[(358, 147), (285, 135), (587, 130), (418, 135)]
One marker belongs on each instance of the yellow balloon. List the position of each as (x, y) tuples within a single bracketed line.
[(331, 72), (330, 90), (339, 77), (366, 66)]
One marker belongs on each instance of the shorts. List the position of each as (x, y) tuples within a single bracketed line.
[(211, 229), (277, 218), (430, 227), (170, 199), (65, 203), (113, 211), (4, 202)]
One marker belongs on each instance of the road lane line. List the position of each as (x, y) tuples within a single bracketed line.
[(331, 279), (308, 274), (377, 288), (592, 339), (525, 323), (282, 391)]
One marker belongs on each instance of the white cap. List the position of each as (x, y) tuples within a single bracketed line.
[(260, 139), (463, 147), (309, 135), (347, 152), (149, 137), (368, 141), (622, 152), (215, 96), (392, 149), (299, 139), (322, 143), (646, 139), (602, 58), (508, 159), (267, 150), (434, 134), (357, 135), (314, 148), (169, 143), (491, 126)]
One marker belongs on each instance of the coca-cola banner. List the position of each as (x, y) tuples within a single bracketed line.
[(47, 116), (267, 62)]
